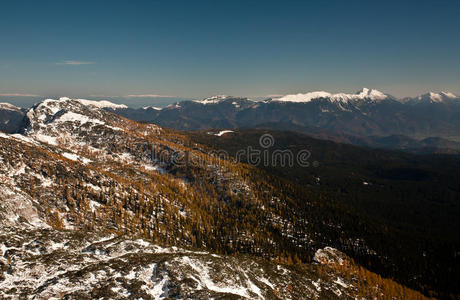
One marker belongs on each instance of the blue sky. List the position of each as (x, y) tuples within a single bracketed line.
[(192, 49)]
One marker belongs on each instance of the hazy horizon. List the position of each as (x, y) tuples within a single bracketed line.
[(138, 101)]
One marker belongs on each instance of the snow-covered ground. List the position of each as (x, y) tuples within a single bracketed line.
[(47, 264), (221, 133)]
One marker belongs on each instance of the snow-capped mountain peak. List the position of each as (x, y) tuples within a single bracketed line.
[(371, 94), (439, 97), (363, 94), (52, 119)]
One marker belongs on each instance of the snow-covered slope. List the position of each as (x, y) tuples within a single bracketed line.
[(50, 264), (18, 209)]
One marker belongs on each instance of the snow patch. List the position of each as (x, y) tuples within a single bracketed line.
[(221, 133), (45, 138), (205, 279), (74, 117), (152, 107), (4, 135)]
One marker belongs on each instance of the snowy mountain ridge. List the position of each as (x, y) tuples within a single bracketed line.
[(433, 97), (100, 103), (218, 99), (364, 93), (8, 106)]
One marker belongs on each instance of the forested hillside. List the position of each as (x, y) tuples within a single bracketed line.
[(403, 207)]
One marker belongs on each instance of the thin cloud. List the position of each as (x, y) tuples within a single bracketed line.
[(75, 62), (18, 95), (149, 96), (103, 96), (274, 95)]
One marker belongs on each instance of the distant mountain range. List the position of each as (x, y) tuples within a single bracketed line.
[(366, 113), (427, 123)]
